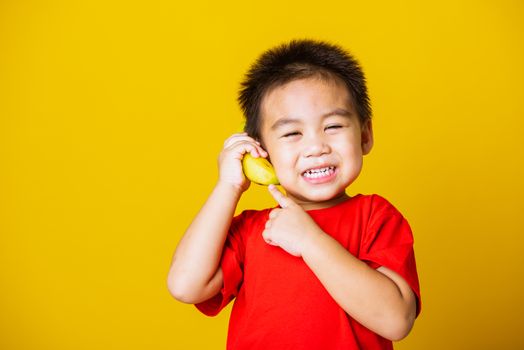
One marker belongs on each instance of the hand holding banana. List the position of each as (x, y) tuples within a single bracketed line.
[(258, 170), (242, 160)]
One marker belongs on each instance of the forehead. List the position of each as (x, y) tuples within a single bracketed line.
[(305, 99)]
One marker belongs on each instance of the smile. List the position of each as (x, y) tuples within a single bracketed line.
[(319, 172)]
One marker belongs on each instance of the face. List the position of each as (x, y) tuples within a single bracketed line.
[(312, 133)]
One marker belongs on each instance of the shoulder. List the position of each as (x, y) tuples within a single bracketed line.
[(376, 204), (378, 212), (384, 219), (253, 214), (250, 217), (244, 225), (385, 226)]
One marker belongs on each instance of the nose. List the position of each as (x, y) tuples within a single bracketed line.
[(315, 146)]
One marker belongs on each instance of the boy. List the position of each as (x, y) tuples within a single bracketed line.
[(322, 270)]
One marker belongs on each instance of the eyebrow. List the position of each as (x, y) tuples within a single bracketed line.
[(288, 120)]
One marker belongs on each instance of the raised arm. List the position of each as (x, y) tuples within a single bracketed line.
[(194, 275)]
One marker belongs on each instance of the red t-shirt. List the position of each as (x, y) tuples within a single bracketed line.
[(281, 304)]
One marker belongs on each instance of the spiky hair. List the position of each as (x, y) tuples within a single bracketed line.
[(295, 60)]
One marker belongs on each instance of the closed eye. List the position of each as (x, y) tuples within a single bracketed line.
[(335, 126), (290, 134)]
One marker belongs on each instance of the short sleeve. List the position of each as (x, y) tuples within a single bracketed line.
[(388, 242), (231, 263)]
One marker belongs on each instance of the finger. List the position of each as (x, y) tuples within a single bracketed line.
[(281, 199), (260, 152), (254, 148), (265, 236), (273, 213), (269, 240), (229, 143), (237, 137), (242, 147)]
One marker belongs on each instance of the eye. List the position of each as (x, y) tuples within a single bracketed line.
[(333, 127), (291, 134)]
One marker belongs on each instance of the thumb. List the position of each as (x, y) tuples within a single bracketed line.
[(281, 198)]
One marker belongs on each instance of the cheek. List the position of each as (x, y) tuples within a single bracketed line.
[(354, 151), (282, 161), (350, 146)]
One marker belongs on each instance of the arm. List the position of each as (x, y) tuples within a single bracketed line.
[(381, 300), (194, 275)]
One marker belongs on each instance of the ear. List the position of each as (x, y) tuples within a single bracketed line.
[(367, 137)]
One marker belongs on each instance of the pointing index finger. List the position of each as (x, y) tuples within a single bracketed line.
[(281, 199)]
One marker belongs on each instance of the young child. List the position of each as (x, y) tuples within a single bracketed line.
[(322, 270)]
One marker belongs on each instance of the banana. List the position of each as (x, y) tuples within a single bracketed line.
[(259, 170)]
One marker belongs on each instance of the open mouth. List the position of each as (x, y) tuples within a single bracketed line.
[(319, 172)]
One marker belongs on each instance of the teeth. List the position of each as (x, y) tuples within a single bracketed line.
[(316, 173)]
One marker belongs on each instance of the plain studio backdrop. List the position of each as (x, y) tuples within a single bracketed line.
[(112, 115)]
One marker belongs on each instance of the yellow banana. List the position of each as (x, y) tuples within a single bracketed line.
[(259, 170)]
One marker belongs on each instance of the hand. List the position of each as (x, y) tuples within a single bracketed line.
[(288, 227), (230, 159)]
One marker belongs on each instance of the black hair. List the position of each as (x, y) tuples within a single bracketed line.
[(295, 60)]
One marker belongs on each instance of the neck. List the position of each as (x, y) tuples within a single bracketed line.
[(310, 205)]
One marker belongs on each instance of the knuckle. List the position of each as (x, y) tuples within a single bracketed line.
[(230, 139), (235, 138)]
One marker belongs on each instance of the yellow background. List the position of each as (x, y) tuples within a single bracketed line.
[(112, 114)]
